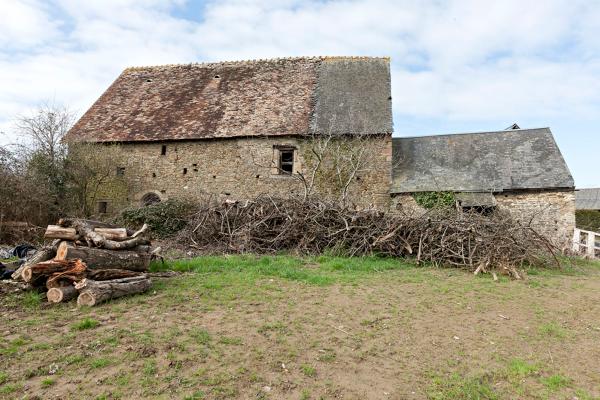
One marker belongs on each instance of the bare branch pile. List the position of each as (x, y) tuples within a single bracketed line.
[(90, 260), (443, 237)]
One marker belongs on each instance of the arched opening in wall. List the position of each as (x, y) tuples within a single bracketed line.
[(149, 199)]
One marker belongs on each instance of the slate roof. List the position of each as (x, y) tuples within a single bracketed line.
[(587, 199), (479, 162), (290, 96)]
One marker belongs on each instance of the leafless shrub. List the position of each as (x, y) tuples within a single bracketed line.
[(442, 237), (42, 179)]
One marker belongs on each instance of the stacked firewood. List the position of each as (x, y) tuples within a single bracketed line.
[(91, 260)]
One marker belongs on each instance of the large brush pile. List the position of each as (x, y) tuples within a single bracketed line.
[(443, 237)]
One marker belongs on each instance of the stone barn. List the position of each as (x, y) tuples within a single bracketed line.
[(519, 170), (236, 130), (240, 129)]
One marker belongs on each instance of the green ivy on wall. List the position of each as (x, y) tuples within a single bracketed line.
[(435, 199), (588, 220)]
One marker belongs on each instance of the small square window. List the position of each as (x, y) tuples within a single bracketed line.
[(102, 207), (120, 171), (286, 161)]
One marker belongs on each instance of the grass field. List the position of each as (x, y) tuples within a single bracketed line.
[(310, 328)]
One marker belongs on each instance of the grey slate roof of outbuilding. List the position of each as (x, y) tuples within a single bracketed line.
[(587, 199), (479, 162)]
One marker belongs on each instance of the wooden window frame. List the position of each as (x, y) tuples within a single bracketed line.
[(285, 167)]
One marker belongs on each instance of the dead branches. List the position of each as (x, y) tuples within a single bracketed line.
[(451, 238)]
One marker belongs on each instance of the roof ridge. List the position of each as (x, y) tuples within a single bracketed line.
[(208, 64), (474, 133)]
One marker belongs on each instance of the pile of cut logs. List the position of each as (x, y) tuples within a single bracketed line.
[(91, 260)]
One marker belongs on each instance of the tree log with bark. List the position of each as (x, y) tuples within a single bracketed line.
[(59, 232), (61, 279), (94, 292), (43, 254), (87, 233), (37, 274), (64, 233), (97, 258)]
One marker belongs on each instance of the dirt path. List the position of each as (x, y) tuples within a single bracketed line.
[(413, 334)]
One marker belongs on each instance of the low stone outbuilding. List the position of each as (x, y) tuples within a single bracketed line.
[(587, 199), (587, 209), (518, 170)]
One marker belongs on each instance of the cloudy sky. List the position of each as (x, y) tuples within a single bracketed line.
[(456, 65)]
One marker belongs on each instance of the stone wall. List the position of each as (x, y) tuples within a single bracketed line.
[(237, 169), (552, 211)]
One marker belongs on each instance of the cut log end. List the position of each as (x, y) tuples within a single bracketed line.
[(61, 294), (27, 274), (61, 251), (86, 299)]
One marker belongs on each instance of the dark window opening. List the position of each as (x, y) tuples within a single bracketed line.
[(214, 177), (286, 161), (154, 174), (150, 198), (217, 77), (163, 150), (148, 80), (102, 207), (483, 210), (185, 171), (120, 171)]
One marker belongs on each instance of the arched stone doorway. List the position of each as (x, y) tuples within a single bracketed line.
[(149, 199)]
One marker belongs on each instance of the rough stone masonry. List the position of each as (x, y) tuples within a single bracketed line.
[(239, 129)]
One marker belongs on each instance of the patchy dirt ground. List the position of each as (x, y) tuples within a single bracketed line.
[(405, 333)]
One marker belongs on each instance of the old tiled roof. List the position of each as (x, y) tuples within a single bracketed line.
[(587, 199), (479, 162), (291, 96)]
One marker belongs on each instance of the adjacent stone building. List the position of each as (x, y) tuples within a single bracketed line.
[(236, 130), (519, 170), (587, 209), (587, 199)]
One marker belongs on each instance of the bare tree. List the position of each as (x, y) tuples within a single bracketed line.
[(44, 131), (334, 162), (42, 177), (91, 168)]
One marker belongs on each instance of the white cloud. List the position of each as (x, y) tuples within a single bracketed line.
[(452, 61), (24, 24)]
